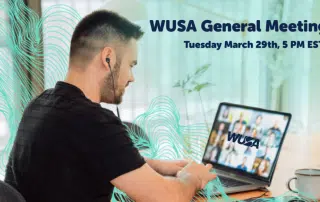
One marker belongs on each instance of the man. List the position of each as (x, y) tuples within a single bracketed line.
[(263, 168), (275, 129), (216, 134), (243, 165), (213, 149), (69, 148), (239, 125)]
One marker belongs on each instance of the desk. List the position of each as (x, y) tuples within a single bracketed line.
[(297, 152)]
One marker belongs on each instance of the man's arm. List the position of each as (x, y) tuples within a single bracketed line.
[(152, 163), (114, 159), (144, 184), (166, 167)]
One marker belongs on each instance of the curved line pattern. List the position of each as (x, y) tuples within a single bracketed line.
[(166, 138)]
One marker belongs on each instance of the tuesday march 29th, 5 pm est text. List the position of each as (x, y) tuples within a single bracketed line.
[(250, 44)]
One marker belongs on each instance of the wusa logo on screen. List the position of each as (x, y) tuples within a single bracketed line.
[(244, 140)]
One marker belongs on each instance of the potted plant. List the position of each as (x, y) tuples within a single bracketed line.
[(190, 85)]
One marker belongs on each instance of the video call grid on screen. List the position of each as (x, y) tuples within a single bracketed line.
[(265, 127)]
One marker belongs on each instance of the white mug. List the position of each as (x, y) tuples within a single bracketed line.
[(307, 183)]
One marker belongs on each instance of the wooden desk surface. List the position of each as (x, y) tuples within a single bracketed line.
[(297, 152)]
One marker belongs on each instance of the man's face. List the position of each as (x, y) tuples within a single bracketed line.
[(258, 121), (226, 113), (221, 127), (244, 160), (262, 165), (122, 74)]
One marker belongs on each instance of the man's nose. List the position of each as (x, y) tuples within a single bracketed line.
[(131, 79)]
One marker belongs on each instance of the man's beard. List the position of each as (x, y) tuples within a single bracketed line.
[(110, 92)]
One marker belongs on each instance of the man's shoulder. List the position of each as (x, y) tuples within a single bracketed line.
[(104, 116), (35, 101), (79, 108), (97, 117)]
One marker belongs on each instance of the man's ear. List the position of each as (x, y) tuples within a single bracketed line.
[(108, 52)]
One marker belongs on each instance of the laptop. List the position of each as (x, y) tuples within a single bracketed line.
[(244, 146)]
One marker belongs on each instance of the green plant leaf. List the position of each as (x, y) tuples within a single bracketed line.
[(177, 84), (188, 79), (201, 70), (188, 90), (183, 84), (201, 86)]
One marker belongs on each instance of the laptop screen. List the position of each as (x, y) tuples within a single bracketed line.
[(246, 139)]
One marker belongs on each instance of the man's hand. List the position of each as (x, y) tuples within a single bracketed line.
[(198, 174), (167, 167)]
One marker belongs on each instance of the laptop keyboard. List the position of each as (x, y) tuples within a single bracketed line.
[(228, 182)]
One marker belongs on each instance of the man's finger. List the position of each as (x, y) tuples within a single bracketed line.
[(209, 166)]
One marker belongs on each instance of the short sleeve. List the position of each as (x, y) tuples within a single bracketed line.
[(108, 150)]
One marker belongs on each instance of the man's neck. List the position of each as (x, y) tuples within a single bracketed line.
[(87, 85)]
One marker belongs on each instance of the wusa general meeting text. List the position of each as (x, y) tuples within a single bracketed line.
[(209, 26)]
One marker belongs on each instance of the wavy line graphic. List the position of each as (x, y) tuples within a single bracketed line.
[(26, 48)]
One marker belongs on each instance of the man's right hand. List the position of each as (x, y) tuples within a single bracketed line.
[(145, 184), (197, 174)]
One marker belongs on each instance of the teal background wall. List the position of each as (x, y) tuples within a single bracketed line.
[(244, 76)]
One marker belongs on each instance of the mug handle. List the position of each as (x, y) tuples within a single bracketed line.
[(288, 184)]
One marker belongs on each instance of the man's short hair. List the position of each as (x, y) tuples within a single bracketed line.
[(101, 28)]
